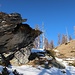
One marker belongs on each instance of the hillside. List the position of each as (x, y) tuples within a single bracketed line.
[(66, 50)]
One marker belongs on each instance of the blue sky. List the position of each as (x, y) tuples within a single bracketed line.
[(57, 15)]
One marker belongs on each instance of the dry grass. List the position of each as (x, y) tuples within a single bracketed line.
[(68, 50), (51, 53), (72, 64)]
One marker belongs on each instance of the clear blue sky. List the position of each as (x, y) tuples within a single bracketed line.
[(55, 14)]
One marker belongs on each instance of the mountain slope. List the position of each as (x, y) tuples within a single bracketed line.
[(66, 50)]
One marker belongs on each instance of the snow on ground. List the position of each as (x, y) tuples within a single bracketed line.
[(29, 70), (33, 50)]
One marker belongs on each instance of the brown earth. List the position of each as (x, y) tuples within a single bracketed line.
[(66, 50)]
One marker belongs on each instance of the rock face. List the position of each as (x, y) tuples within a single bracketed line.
[(9, 21), (15, 38), (21, 57)]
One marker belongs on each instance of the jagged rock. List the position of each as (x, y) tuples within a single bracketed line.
[(14, 36), (21, 57), (21, 37), (9, 21), (57, 64)]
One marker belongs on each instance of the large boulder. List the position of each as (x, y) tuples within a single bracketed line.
[(15, 38), (21, 57)]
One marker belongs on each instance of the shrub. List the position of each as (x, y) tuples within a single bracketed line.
[(51, 53), (72, 64)]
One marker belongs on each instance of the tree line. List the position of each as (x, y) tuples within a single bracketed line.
[(49, 45)]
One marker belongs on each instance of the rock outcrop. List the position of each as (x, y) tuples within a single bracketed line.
[(15, 38)]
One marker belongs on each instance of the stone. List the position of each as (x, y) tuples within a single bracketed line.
[(15, 37)]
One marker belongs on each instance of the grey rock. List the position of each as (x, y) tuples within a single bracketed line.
[(16, 37)]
